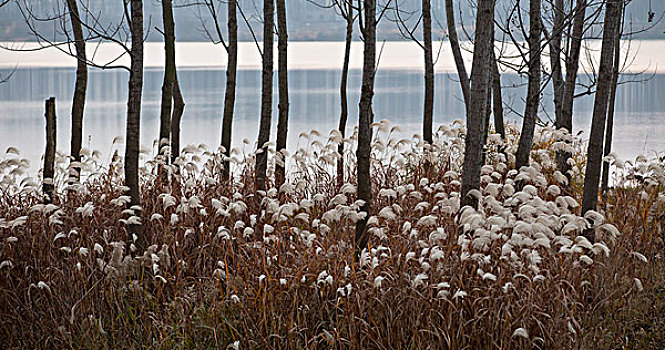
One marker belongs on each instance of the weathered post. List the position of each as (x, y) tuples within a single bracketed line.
[(49, 155)]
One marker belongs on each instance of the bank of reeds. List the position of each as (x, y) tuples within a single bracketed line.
[(230, 267)]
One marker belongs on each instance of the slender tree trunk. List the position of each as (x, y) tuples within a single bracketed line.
[(266, 94), (555, 58), (572, 66), (283, 88), (80, 87), (457, 53), (609, 128), (603, 88), (344, 114), (365, 119), (49, 153), (533, 93), (169, 74), (480, 77), (132, 144), (178, 110), (230, 93), (428, 108), (497, 99)]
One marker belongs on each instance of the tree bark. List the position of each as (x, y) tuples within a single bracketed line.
[(609, 128), (344, 114), (266, 94), (178, 110), (428, 106), (49, 153), (555, 57), (603, 87), (283, 89), (169, 74), (457, 53), (533, 90), (480, 77), (132, 143), (365, 119), (230, 92), (80, 87), (572, 66)]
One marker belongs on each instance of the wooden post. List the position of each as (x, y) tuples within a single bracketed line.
[(49, 155)]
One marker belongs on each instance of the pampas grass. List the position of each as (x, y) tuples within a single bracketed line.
[(231, 267)]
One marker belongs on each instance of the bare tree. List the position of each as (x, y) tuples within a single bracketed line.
[(613, 9), (347, 12), (533, 90), (80, 87), (266, 93), (572, 67), (457, 52), (609, 128), (133, 133), (231, 47), (480, 81), (555, 56), (169, 74), (368, 31), (283, 87)]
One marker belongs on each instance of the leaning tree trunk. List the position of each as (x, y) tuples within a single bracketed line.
[(80, 87), (178, 110), (365, 119), (428, 106), (475, 116), (230, 93), (572, 66), (132, 142), (457, 53), (169, 74), (603, 87), (533, 90), (266, 94), (555, 57), (283, 88), (609, 129), (344, 114)]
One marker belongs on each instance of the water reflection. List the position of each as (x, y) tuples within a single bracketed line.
[(314, 96)]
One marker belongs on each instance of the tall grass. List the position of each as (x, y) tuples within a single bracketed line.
[(229, 266)]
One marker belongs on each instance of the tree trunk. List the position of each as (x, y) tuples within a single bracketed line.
[(132, 144), (603, 87), (80, 87), (49, 153), (283, 88), (428, 108), (365, 119), (555, 57), (609, 128), (533, 91), (169, 74), (344, 114), (178, 110), (266, 94), (457, 53), (480, 77), (497, 99), (230, 92), (572, 66)]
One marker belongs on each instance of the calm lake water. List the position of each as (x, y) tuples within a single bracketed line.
[(314, 97)]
